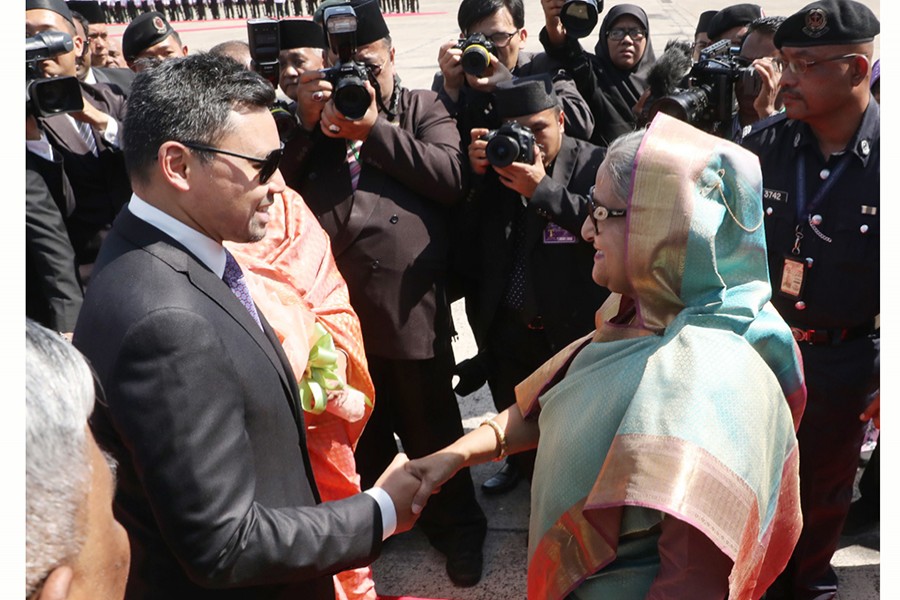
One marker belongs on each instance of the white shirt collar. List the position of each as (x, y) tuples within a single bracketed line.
[(210, 252), (90, 77)]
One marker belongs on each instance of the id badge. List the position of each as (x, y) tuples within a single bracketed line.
[(554, 234), (793, 275)]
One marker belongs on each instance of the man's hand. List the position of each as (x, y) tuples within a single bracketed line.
[(771, 77), (555, 30), (433, 471), (401, 485), (450, 62), (494, 74), (522, 177), (477, 158), (313, 92), (93, 116), (873, 411), (336, 125)]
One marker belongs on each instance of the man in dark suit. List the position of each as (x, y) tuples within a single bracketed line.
[(203, 412), (529, 290), (87, 141), (90, 66), (381, 186)]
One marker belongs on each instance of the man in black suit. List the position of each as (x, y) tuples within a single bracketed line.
[(90, 66), (381, 186), (203, 412), (529, 291), (87, 141)]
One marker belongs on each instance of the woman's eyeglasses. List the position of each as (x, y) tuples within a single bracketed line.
[(601, 213), (618, 34), (267, 165)]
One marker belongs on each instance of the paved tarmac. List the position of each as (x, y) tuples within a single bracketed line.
[(408, 565)]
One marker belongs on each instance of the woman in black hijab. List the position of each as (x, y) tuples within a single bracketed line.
[(613, 79)]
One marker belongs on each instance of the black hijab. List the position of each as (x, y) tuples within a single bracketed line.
[(623, 87)]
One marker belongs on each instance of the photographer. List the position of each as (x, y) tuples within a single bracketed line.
[(501, 23), (380, 186), (612, 79), (87, 141), (759, 51), (530, 292)]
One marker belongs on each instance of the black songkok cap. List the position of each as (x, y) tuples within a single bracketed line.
[(370, 26), (703, 22), (827, 23), (145, 31), (89, 9), (524, 96), (57, 6), (733, 16), (301, 33)]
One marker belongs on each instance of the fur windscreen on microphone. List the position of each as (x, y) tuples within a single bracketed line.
[(670, 69)]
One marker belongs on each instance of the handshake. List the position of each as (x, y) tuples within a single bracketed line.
[(410, 483)]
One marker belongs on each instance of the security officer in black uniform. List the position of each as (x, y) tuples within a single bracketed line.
[(529, 288), (821, 165)]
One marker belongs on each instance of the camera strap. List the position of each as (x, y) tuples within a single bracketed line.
[(390, 113)]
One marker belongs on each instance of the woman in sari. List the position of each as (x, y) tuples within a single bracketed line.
[(613, 79), (666, 455)]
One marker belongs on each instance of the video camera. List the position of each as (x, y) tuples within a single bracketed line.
[(348, 77), (476, 56), (709, 101), (509, 143), (579, 17), (55, 95), (264, 40)]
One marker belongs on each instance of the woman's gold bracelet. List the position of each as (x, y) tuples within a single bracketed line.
[(501, 437)]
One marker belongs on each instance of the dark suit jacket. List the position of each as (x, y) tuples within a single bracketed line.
[(391, 237), (559, 287), (100, 183), (203, 416), (53, 293), (118, 79)]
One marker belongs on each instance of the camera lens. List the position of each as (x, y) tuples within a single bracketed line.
[(502, 151), (351, 98), (686, 106), (579, 17), (475, 60)]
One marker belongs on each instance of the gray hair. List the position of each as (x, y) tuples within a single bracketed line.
[(620, 159), (59, 398)]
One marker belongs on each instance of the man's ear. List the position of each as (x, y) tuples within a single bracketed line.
[(859, 69), (57, 585), (176, 162)]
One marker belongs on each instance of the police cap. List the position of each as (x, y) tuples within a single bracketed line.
[(827, 23), (145, 31)]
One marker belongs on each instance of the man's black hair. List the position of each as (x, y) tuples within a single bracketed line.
[(186, 99), (765, 25), (473, 11)]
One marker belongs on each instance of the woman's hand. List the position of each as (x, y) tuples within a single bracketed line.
[(433, 471)]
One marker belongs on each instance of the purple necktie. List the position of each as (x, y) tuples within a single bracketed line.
[(234, 278)]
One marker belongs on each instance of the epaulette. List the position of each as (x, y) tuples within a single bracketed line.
[(764, 124)]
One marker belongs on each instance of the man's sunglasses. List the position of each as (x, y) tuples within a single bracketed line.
[(267, 165)]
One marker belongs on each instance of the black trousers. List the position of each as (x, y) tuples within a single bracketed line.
[(414, 398), (840, 381)]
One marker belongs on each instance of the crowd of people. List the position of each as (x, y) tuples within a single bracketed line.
[(672, 280)]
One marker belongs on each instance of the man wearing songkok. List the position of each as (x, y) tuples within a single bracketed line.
[(731, 23), (701, 34), (821, 166), (380, 186), (522, 247)]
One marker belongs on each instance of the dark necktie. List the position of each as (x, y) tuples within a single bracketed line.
[(234, 278), (515, 283)]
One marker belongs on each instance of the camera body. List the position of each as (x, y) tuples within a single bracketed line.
[(509, 143), (55, 95), (348, 77), (264, 39), (709, 101), (476, 56), (579, 17)]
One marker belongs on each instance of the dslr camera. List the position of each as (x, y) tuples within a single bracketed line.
[(348, 77), (476, 56), (55, 95), (708, 102), (579, 17), (264, 39), (508, 144)]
